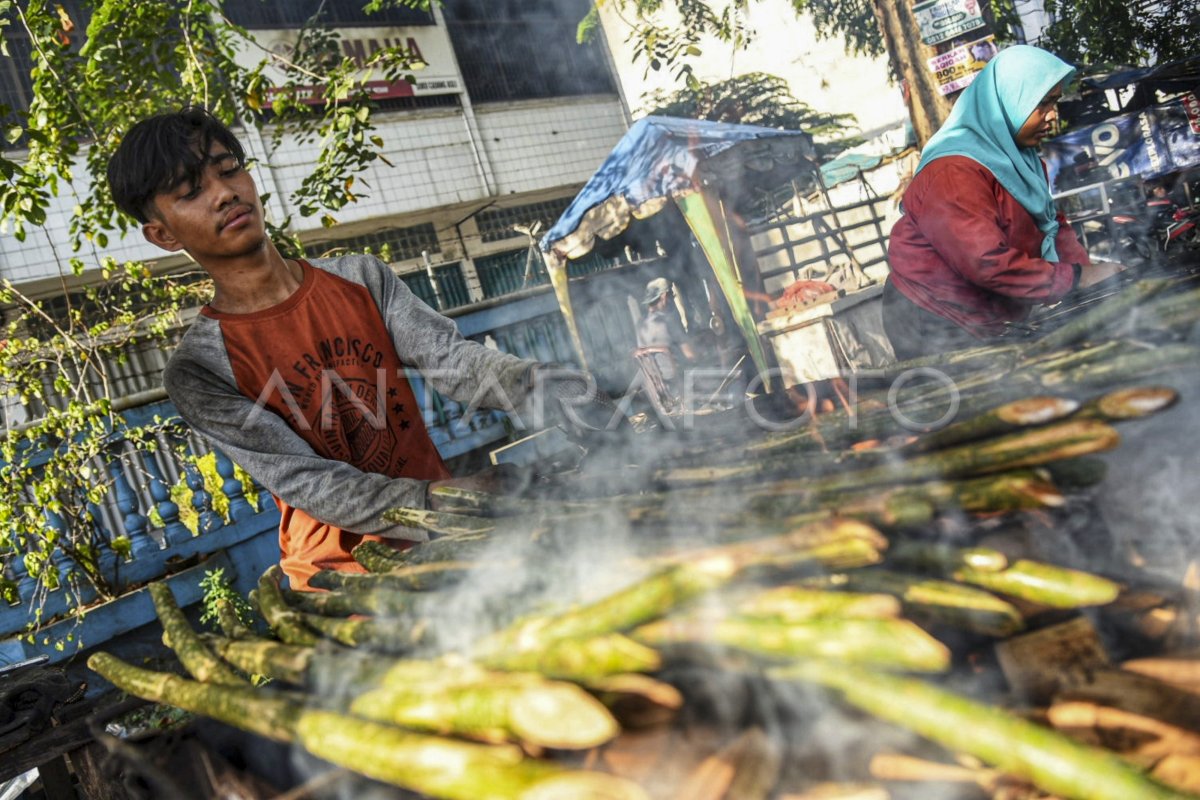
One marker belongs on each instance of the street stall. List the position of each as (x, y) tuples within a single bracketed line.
[(702, 168), (707, 171), (984, 587)]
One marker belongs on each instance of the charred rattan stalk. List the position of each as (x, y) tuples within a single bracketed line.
[(430, 765), (644, 600), (1096, 318), (1034, 581), (227, 618), (285, 662), (902, 506), (1132, 403), (1066, 439), (1125, 368), (378, 557), (347, 603), (383, 635), (1050, 760), (883, 643), (179, 636), (492, 707), (438, 522), (1018, 414), (790, 604), (581, 660), (287, 624), (936, 601), (418, 578), (1024, 449)]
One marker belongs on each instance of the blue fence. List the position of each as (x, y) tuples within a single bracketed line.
[(138, 508), (141, 507)]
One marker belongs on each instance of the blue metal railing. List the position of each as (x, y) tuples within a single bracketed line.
[(141, 508)]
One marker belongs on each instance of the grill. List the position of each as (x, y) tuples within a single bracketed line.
[(867, 603)]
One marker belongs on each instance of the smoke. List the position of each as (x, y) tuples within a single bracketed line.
[(1147, 498)]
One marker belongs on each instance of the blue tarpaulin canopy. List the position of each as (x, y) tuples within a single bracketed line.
[(695, 164), (660, 157)]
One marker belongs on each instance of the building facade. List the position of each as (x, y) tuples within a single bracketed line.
[(499, 129)]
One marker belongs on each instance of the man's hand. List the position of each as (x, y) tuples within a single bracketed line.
[(584, 408), (1098, 272)]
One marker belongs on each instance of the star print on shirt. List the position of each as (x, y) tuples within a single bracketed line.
[(404, 424), (392, 392), (398, 408)]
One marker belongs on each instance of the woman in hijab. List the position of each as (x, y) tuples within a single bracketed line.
[(980, 242)]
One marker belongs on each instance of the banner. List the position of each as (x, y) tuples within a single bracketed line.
[(433, 69), (942, 20), (1149, 143), (955, 69), (1179, 128)]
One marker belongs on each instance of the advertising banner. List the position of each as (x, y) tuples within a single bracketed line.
[(942, 20), (955, 69), (433, 71), (1149, 143), (1178, 126), (1191, 106)]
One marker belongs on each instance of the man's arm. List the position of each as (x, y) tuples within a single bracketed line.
[(459, 368), (260, 441), (679, 336)]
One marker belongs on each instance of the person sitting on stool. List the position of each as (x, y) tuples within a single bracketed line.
[(660, 327)]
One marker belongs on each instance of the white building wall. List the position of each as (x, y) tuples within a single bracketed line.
[(431, 165), (530, 147), (537, 144)]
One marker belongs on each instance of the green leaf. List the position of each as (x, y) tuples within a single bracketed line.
[(585, 31)]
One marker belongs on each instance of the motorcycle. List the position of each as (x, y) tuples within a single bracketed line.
[(1162, 230)]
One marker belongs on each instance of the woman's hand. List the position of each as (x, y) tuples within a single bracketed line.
[(1097, 272)]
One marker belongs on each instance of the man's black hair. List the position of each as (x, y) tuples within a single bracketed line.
[(162, 152)]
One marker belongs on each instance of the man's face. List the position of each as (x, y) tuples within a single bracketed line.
[(218, 218), (1040, 123)]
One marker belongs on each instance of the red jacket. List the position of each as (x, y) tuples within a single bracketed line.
[(966, 250)]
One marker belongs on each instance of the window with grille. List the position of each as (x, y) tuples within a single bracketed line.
[(334, 13), (497, 223), (590, 264), (450, 284), (505, 273), (390, 244), (524, 49)]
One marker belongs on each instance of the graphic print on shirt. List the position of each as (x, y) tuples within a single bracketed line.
[(332, 372)]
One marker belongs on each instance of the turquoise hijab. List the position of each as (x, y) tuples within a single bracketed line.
[(988, 115)]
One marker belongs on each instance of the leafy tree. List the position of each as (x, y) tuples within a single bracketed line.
[(91, 78), (755, 99), (1114, 32), (1086, 31)]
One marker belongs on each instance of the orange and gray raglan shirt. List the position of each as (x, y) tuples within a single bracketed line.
[(310, 397)]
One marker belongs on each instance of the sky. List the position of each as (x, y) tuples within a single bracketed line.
[(819, 72)]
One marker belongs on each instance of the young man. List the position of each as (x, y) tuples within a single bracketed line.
[(296, 370)]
